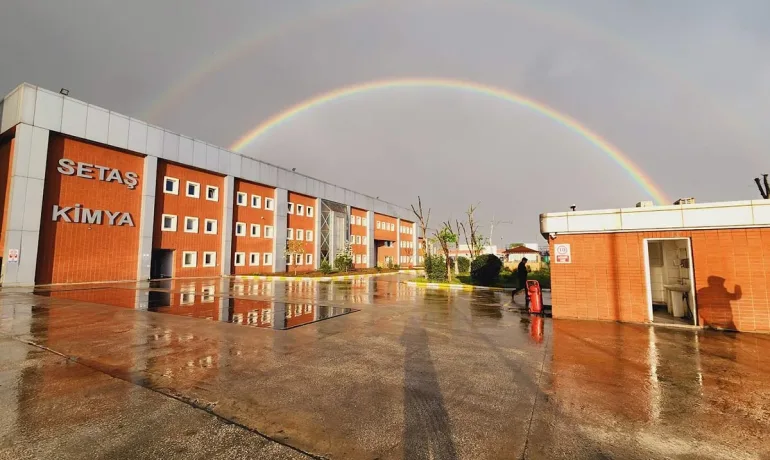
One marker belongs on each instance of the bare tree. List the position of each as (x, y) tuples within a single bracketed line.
[(445, 237), (458, 226), (423, 220), (765, 192), (472, 237)]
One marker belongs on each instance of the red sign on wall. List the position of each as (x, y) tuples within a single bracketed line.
[(563, 253)]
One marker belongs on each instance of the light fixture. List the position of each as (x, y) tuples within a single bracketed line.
[(573, 207), (64, 91), (293, 169)]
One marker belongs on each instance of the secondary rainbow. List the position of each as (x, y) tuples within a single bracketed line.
[(636, 173)]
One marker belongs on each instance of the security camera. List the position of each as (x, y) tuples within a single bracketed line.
[(552, 235)]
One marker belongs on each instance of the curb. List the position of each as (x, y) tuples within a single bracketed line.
[(309, 278), (458, 287)]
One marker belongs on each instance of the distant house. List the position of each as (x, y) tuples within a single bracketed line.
[(512, 257)]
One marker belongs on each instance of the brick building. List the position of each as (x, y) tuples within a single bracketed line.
[(91, 195), (696, 264)]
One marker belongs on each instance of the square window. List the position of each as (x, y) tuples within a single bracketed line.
[(268, 231), (269, 204), (300, 235), (168, 223), (255, 230), (254, 259), (171, 185), (189, 259), (309, 235), (240, 259), (190, 224), (290, 207), (209, 259), (309, 211), (308, 259), (267, 259), (256, 201), (210, 227), (212, 193), (193, 189), (187, 298), (240, 229), (289, 233), (241, 199)]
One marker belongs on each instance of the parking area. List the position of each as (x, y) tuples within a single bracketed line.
[(367, 368)]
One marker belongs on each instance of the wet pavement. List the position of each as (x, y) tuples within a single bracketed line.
[(160, 370)]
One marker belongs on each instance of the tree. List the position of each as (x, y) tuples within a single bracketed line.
[(457, 247), (444, 238), (423, 219), (473, 239), (344, 259), (294, 248)]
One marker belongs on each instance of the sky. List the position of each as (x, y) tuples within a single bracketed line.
[(681, 88)]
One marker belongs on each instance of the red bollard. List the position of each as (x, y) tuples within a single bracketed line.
[(535, 297)]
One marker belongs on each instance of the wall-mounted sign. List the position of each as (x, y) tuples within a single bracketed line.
[(103, 173), (13, 255), (563, 253), (81, 215)]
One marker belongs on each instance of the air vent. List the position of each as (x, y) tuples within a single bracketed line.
[(684, 201), (645, 204)]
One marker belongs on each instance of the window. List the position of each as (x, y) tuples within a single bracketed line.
[(364, 240), (171, 185), (289, 259), (289, 233), (209, 259), (358, 220), (378, 224), (168, 223), (358, 239), (254, 258), (212, 193), (309, 235), (298, 259), (240, 229), (189, 259), (358, 258), (241, 199), (309, 211), (193, 189), (267, 259), (308, 259), (210, 227), (300, 210), (392, 227), (300, 234), (388, 244), (268, 231), (240, 259), (255, 230), (269, 204), (291, 207), (190, 224), (256, 201)]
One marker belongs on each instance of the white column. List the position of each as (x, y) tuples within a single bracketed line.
[(317, 235), (147, 219), (398, 242), (226, 226), (281, 224), (370, 251), (25, 203), (415, 246)]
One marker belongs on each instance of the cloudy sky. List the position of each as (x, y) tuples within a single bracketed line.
[(682, 88)]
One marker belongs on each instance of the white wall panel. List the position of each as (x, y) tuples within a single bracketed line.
[(170, 146), (48, 110), (117, 135), (137, 136), (185, 150), (97, 124), (154, 141)]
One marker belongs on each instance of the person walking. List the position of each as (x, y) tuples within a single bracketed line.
[(521, 275)]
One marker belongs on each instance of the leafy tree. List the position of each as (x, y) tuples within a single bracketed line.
[(344, 259), (294, 248), (444, 238)]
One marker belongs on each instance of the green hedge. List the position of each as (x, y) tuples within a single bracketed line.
[(435, 268), (464, 264), (485, 269)]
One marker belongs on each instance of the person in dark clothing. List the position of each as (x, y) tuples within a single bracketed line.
[(521, 275)]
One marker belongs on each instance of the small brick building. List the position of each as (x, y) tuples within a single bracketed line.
[(700, 264)]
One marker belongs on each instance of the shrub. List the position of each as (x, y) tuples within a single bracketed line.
[(435, 268), (543, 276), (325, 267), (485, 269), (343, 261), (464, 264)]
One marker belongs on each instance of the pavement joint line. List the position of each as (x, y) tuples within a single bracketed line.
[(534, 405), (181, 399)]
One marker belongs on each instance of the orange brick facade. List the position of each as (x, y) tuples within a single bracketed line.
[(385, 236), (358, 236), (606, 279), (298, 226), (406, 247), (258, 233), (72, 249), (182, 206)]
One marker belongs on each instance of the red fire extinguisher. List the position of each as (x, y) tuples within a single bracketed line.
[(535, 296), (536, 329)]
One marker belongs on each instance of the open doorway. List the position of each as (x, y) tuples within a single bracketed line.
[(162, 264), (670, 286)]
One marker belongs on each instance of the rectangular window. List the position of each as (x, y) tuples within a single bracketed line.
[(289, 259), (300, 234), (309, 211), (190, 224), (171, 185), (358, 239), (241, 199), (358, 258), (358, 220), (268, 231), (379, 224), (193, 189), (290, 207), (300, 210), (256, 201), (240, 229), (212, 193), (168, 223), (269, 204), (289, 233), (255, 230), (209, 259), (309, 235), (308, 259), (240, 259), (298, 259), (267, 259), (254, 259), (189, 259), (210, 227)]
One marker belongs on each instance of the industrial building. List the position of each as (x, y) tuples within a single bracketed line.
[(90, 195), (688, 264)]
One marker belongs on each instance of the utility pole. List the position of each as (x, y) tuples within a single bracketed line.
[(492, 228)]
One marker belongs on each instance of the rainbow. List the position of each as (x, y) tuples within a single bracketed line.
[(605, 146)]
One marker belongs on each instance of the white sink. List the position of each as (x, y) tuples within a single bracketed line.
[(675, 305)]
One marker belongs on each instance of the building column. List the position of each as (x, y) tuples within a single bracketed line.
[(147, 219), (280, 227), (371, 253), (228, 195), (398, 243), (415, 246), (25, 204), (317, 235)]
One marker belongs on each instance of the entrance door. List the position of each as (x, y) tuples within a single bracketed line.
[(670, 281), (162, 264)]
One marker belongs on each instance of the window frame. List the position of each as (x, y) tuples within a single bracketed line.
[(290, 207), (251, 259), (196, 187), (258, 201), (216, 192), (206, 226), (300, 234), (194, 259), (300, 209), (193, 219), (269, 232), (269, 204), (238, 196), (163, 223), (309, 259), (267, 258), (254, 234), (214, 259), (289, 234), (240, 225), (298, 259), (243, 259), (308, 235), (309, 211), (175, 188)]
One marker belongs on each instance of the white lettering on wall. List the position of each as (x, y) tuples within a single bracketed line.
[(105, 173), (81, 215)]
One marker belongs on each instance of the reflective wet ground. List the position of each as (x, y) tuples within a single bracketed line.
[(105, 371)]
